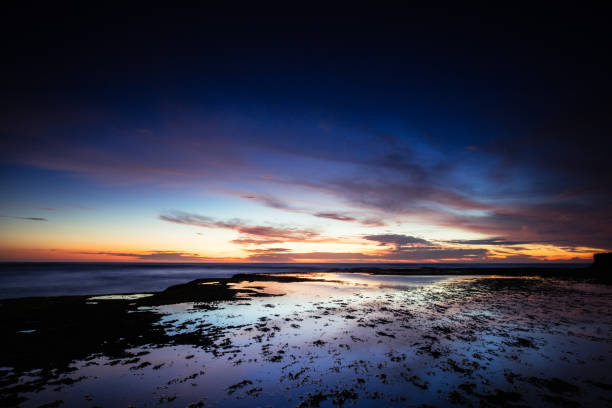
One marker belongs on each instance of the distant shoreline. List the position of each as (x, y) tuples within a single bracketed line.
[(589, 274), (48, 279)]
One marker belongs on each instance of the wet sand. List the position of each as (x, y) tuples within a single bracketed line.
[(325, 339)]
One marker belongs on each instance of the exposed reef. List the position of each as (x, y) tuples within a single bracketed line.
[(339, 337), (600, 271), (603, 260)]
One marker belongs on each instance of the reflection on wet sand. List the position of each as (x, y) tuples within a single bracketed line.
[(354, 340), (133, 296)]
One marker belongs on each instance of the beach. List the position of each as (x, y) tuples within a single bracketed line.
[(316, 339)]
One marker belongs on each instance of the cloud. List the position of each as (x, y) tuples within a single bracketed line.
[(373, 222), (269, 250), (254, 233), (413, 254), (271, 202), (181, 150), (518, 258), (256, 241), (334, 216), (557, 224), (398, 196), (25, 218), (548, 184), (398, 240), (279, 204), (308, 256), (179, 217), (171, 256), (488, 241), (437, 254)]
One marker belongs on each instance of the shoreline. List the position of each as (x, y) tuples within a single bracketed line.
[(48, 334), (588, 273), (31, 319)]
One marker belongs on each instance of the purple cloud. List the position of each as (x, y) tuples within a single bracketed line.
[(335, 216), (254, 233), (398, 240), (412, 254)]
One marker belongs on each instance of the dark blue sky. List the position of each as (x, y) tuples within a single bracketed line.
[(450, 125)]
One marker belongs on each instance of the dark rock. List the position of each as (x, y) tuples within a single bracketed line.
[(602, 260)]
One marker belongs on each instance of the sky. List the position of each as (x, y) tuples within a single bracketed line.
[(422, 135)]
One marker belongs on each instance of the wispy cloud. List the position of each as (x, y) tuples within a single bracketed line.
[(397, 196), (256, 241), (398, 240), (279, 204), (255, 233), (534, 194), (334, 216), (25, 218), (488, 241), (271, 202), (154, 256), (269, 250), (566, 224), (405, 255)]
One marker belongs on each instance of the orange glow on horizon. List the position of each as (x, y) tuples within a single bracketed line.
[(140, 256)]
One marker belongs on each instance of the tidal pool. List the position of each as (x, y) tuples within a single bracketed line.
[(362, 340)]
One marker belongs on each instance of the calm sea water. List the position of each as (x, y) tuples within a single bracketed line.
[(25, 279)]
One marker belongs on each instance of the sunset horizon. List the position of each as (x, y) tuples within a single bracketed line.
[(383, 207), (177, 138)]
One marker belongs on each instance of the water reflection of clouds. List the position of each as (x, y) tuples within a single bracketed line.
[(370, 335)]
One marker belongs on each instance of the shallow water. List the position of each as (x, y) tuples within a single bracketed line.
[(363, 340), (25, 279)]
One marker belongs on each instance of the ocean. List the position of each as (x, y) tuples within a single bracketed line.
[(27, 279)]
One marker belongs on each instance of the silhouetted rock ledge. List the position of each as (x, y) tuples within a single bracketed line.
[(603, 260), (49, 333)]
